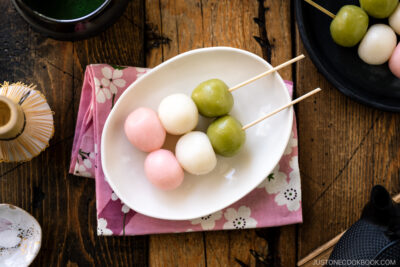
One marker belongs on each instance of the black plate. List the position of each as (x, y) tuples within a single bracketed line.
[(375, 86)]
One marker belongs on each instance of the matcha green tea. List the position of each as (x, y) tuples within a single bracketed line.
[(64, 9)]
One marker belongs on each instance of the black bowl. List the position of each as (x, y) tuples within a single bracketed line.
[(375, 86), (73, 29)]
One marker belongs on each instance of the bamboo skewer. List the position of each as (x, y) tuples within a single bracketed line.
[(321, 249), (287, 63), (297, 100), (320, 8)]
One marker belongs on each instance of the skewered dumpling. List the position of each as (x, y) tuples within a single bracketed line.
[(163, 170), (349, 26), (394, 20), (213, 98), (377, 45), (379, 9), (394, 62), (195, 153), (144, 130), (178, 114), (226, 136)]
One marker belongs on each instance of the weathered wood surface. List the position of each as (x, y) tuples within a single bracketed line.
[(345, 147), (63, 204)]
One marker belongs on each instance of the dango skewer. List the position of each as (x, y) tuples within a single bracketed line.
[(227, 135), (350, 27), (214, 98), (178, 114)]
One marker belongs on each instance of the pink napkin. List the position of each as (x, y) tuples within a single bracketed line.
[(276, 201)]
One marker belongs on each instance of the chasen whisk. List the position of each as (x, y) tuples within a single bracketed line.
[(26, 122)]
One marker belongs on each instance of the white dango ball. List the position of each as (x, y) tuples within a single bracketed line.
[(394, 20), (195, 153), (178, 114), (377, 45)]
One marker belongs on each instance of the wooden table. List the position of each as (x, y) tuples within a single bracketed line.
[(345, 147)]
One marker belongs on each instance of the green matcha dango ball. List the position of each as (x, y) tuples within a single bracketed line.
[(212, 98), (226, 136), (349, 26), (379, 9)]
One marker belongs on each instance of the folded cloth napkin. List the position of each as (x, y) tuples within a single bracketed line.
[(276, 201)]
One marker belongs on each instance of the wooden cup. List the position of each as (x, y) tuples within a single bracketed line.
[(12, 119)]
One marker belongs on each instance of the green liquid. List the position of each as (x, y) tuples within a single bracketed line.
[(64, 9)]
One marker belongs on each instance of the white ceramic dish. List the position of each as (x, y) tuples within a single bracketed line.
[(233, 177), (20, 237)]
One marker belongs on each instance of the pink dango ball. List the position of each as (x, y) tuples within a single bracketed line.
[(144, 130), (394, 62), (163, 170)]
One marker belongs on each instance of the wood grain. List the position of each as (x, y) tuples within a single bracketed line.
[(63, 204)]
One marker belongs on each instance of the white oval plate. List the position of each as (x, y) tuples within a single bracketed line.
[(20, 236), (233, 177)]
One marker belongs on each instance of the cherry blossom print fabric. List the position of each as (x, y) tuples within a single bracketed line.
[(276, 201)]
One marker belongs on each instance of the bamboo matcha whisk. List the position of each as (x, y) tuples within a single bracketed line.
[(26, 122)]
